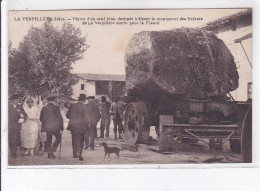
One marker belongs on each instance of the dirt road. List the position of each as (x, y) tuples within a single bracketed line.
[(146, 154)]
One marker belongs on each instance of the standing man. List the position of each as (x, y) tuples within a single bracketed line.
[(105, 117), (77, 125), (117, 112), (52, 124), (16, 116), (93, 115), (42, 135)]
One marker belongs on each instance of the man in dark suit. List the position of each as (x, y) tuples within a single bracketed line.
[(16, 116), (92, 114), (52, 124), (77, 125)]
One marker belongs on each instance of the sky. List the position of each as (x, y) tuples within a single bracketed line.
[(108, 43)]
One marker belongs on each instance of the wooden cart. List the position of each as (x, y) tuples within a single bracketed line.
[(211, 122)]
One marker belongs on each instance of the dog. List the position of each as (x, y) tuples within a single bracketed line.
[(109, 150)]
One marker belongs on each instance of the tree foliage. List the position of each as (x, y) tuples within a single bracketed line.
[(42, 63)]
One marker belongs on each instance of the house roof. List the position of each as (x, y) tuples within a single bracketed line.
[(230, 17), (102, 77), (243, 16)]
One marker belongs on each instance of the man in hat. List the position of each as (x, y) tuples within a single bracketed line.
[(77, 125), (105, 117), (52, 124), (93, 115), (16, 116), (117, 111)]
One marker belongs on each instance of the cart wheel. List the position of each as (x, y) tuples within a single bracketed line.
[(136, 126), (235, 146), (246, 137)]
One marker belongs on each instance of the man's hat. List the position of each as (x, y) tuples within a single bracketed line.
[(16, 96), (82, 97), (91, 97), (51, 98), (103, 98)]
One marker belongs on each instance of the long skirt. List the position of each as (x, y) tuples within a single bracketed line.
[(29, 133)]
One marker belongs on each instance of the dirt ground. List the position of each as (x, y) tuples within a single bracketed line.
[(146, 154)]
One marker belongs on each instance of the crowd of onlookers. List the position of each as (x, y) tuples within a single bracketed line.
[(33, 124)]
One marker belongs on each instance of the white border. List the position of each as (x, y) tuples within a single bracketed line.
[(116, 4), (62, 175), (20, 5)]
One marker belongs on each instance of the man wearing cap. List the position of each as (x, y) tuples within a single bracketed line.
[(105, 117), (117, 112), (77, 125), (52, 124), (92, 113), (16, 116)]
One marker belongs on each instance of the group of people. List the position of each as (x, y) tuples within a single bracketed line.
[(83, 119), (33, 125)]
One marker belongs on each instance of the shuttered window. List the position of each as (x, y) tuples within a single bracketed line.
[(82, 86)]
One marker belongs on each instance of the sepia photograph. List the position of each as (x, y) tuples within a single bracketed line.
[(130, 86)]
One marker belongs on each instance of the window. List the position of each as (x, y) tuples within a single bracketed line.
[(82, 86)]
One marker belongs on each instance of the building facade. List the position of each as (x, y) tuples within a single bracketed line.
[(99, 84)]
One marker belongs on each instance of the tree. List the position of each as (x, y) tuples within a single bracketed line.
[(42, 63)]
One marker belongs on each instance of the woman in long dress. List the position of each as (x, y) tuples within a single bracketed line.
[(30, 127)]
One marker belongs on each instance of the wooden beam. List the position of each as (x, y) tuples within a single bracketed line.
[(243, 38)]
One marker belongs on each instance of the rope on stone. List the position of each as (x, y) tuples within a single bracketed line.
[(230, 97), (197, 72), (212, 60)]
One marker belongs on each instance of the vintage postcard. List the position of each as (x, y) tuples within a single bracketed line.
[(114, 87)]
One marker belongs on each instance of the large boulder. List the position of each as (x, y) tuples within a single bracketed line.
[(192, 63)]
